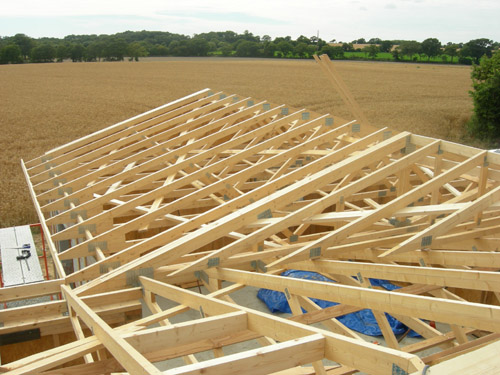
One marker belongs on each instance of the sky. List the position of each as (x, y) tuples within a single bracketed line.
[(447, 20)]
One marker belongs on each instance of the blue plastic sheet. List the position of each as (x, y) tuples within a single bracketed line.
[(361, 321)]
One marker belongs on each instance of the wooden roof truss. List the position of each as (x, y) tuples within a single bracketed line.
[(226, 192)]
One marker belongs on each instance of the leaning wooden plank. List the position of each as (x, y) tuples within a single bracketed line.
[(264, 360), (424, 238), (474, 315), (52, 248), (332, 74), (404, 200), (124, 353), (338, 348)]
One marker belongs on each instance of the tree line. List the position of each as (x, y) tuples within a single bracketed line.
[(21, 48)]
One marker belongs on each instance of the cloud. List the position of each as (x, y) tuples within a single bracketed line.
[(225, 17)]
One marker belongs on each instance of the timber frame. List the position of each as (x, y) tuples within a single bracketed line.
[(227, 192)]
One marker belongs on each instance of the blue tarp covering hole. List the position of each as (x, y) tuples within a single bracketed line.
[(362, 321)]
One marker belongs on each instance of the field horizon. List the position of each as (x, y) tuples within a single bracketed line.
[(47, 105)]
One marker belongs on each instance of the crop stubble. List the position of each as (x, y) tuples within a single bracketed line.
[(46, 105)]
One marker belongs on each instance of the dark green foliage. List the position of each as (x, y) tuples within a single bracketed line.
[(11, 54), (333, 52), (431, 47), (451, 50), (247, 48), (43, 53), (485, 123), (348, 47), (410, 48), (77, 52), (477, 48), (61, 52), (136, 44), (25, 43), (372, 50), (136, 50), (115, 49), (396, 54), (386, 46)]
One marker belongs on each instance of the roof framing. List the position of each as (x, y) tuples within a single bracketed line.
[(216, 188)]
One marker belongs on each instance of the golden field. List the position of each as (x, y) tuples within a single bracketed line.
[(46, 105)]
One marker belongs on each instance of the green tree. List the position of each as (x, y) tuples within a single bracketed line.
[(136, 50), (348, 47), (303, 39), (158, 50), (410, 48), (311, 50), (485, 122), (198, 46), (301, 50), (225, 48), (95, 50), (11, 54), (451, 50), (477, 48), (25, 43), (431, 47), (333, 52), (247, 48), (43, 53), (396, 53), (372, 50), (266, 39), (61, 52), (285, 47), (115, 49), (386, 46), (77, 52)]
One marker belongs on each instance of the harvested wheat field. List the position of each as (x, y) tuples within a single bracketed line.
[(46, 105)]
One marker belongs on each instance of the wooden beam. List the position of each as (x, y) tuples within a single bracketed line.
[(404, 200), (264, 360), (466, 279), (338, 348), (129, 358), (52, 248), (475, 315), (444, 225)]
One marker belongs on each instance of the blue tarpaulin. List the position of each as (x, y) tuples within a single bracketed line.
[(362, 321)]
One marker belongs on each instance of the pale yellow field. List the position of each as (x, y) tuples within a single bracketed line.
[(46, 105)]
